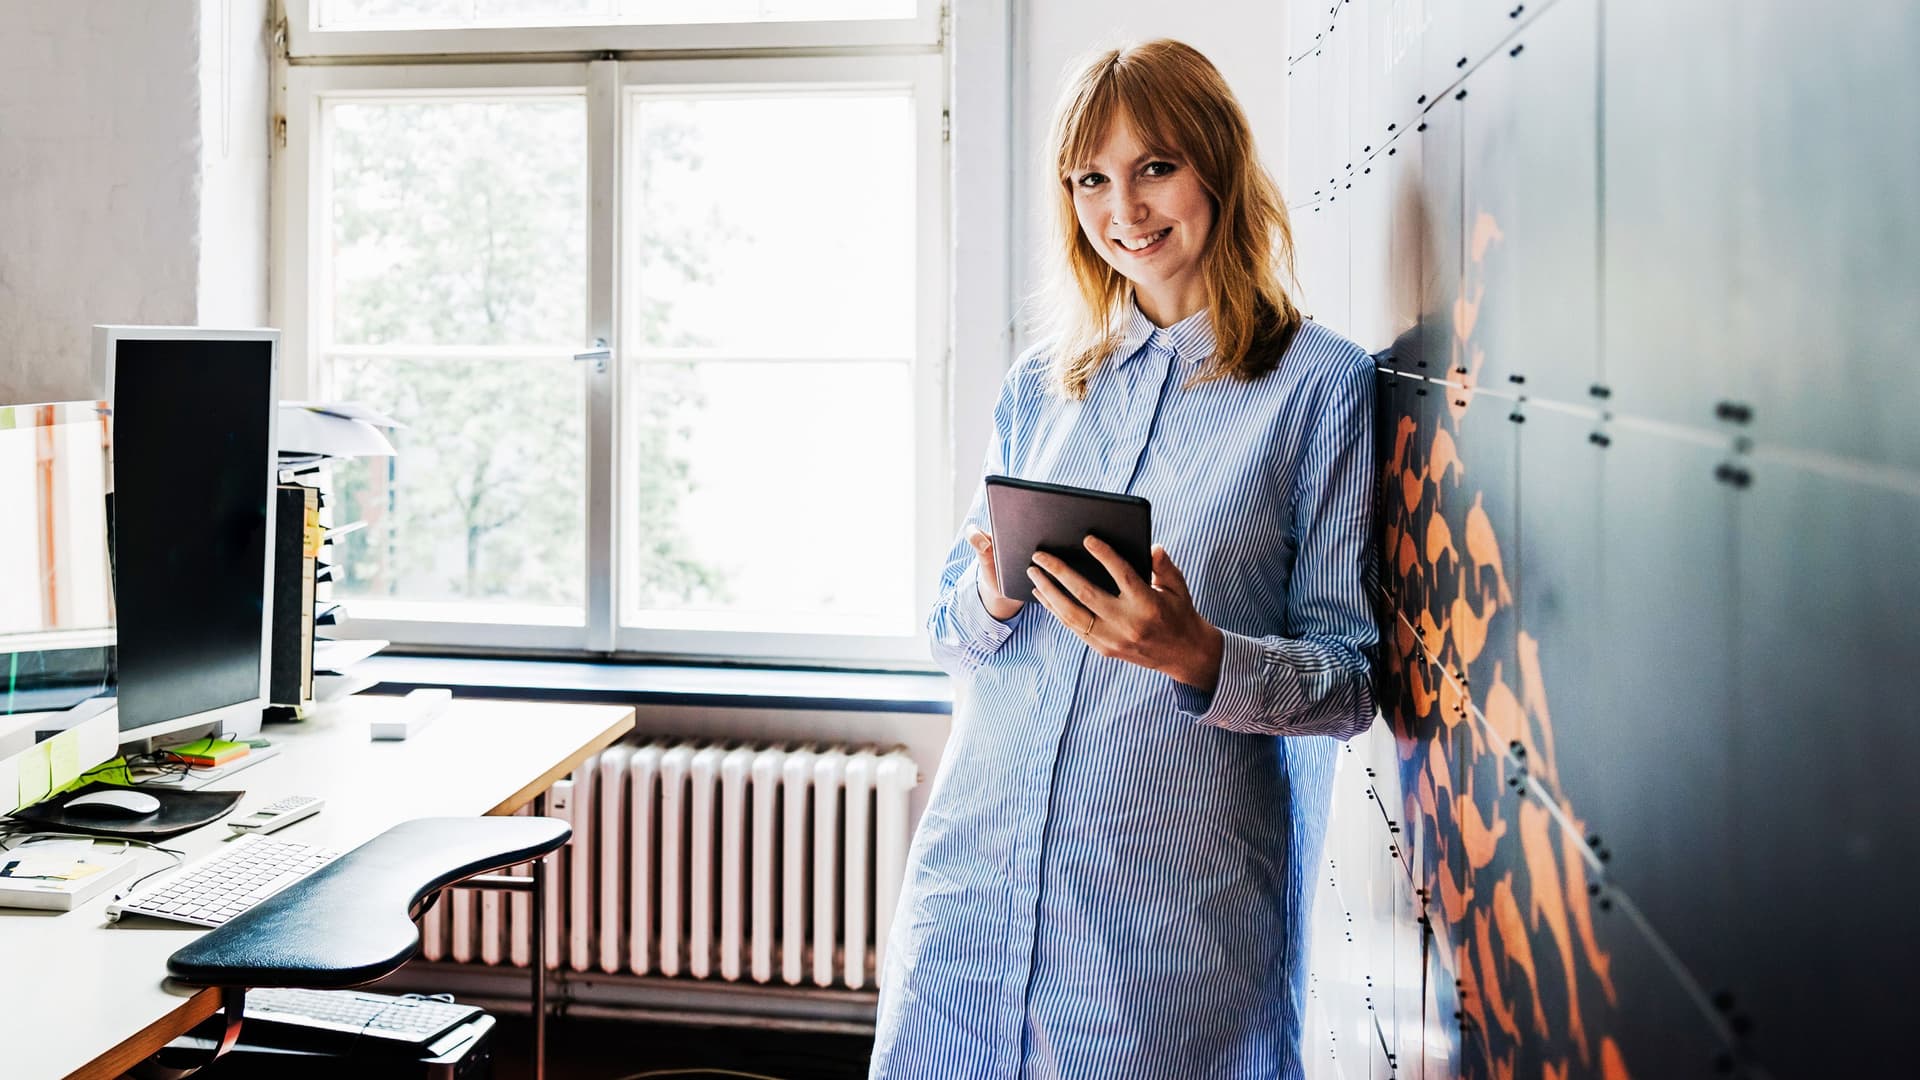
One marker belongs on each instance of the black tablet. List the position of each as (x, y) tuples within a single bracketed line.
[(1026, 516)]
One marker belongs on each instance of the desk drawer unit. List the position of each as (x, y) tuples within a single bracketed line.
[(768, 864)]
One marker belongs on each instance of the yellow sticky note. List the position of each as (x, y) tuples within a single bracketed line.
[(36, 773), (63, 752)]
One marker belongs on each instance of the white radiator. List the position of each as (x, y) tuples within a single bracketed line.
[(707, 860)]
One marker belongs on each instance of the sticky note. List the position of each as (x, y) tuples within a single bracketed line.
[(63, 752), (36, 771)]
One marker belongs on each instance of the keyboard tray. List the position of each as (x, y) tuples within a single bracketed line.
[(351, 921)]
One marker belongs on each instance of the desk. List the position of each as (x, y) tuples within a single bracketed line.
[(87, 999)]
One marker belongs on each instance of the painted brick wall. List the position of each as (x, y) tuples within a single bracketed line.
[(103, 168)]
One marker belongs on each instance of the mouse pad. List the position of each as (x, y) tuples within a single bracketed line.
[(179, 811)]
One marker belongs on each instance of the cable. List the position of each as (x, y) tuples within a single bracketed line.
[(11, 838)]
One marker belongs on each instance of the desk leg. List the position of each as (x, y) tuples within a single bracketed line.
[(538, 932), (536, 885)]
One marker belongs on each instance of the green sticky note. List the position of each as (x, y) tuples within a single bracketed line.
[(107, 772), (36, 773), (63, 754)]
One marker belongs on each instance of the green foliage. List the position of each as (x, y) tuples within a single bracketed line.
[(461, 226)]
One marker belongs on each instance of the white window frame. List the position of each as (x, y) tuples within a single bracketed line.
[(308, 42), (298, 230)]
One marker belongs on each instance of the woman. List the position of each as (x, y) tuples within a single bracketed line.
[(1112, 878)]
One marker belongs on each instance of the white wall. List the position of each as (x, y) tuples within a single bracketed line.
[(1010, 57), (1245, 40), (105, 184)]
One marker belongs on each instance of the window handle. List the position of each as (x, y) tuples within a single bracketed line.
[(598, 357)]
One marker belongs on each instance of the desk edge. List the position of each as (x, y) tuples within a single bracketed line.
[(612, 734)]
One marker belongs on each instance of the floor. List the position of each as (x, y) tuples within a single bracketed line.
[(580, 1049), (626, 1050)]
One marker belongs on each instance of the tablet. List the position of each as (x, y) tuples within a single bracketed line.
[(1026, 516)]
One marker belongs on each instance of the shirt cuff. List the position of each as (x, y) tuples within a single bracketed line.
[(971, 618), (1238, 699)]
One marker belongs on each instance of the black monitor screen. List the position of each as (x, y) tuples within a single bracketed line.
[(191, 479)]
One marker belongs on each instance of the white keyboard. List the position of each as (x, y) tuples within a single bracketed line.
[(244, 872), (356, 1012)]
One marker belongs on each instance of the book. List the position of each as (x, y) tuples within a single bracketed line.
[(60, 875), (296, 547)]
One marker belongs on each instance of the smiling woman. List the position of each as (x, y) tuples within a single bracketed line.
[(1111, 875)]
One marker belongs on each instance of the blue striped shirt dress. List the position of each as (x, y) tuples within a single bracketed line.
[(1112, 878)]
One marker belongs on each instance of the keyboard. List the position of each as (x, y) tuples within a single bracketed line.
[(214, 889), (356, 1012)]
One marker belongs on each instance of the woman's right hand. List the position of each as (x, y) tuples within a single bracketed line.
[(996, 604)]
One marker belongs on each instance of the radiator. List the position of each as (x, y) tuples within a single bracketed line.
[(706, 860)]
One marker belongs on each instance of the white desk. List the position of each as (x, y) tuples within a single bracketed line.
[(80, 997)]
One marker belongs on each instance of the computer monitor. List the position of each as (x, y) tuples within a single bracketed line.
[(194, 469), (56, 615)]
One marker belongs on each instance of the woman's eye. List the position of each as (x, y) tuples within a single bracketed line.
[(1091, 180), (1160, 168)]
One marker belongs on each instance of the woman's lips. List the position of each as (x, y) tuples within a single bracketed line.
[(1157, 240)]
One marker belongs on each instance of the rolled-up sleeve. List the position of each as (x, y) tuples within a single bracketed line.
[(960, 632), (1316, 677)]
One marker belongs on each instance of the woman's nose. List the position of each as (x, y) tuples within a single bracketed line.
[(1127, 208)]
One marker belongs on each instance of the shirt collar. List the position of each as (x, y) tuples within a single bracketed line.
[(1190, 339)]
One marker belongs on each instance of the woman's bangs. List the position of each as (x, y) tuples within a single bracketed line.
[(1116, 98), (1147, 114), (1086, 127)]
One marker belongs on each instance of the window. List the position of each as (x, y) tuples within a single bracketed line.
[(667, 335)]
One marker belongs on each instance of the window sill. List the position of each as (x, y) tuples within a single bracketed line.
[(664, 684)]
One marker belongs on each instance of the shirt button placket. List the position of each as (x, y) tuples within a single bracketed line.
[(1150, 370)]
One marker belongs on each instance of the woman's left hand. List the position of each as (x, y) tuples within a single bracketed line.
[(1151, 624)]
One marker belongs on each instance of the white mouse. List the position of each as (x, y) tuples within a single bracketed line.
[(115, 804)]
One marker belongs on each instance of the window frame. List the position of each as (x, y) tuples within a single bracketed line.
[(922, 77), (305, 41), (297, 235)]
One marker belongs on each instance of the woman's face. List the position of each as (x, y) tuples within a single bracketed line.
[(1148, 217)]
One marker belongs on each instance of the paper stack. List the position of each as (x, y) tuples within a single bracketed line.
[(59, 875), (308, 667)]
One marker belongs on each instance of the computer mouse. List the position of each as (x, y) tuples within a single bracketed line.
[(115, 804)]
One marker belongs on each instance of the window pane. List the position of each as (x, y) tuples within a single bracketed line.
[(458, 222), (773, 496), (348, 14), (769, 320), (456, 297), (772, 226), (480, 516)]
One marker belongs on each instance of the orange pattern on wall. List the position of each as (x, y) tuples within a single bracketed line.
[(1512, 918)]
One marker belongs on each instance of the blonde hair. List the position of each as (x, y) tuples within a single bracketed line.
[(1179, 106)]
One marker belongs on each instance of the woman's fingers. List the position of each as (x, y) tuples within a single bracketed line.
[(1166, 575), (983, 550), (1090, 596), (1069, 611), (1123, 574), (996, 602)]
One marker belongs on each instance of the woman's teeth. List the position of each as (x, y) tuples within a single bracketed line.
[(1145, 242)]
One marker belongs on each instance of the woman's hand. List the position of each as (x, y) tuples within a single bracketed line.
[(991, 598), (1152, 625)]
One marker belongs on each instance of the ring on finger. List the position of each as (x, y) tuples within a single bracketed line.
[(1091, 619)]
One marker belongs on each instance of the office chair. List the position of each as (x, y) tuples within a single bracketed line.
[(351, 922)]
